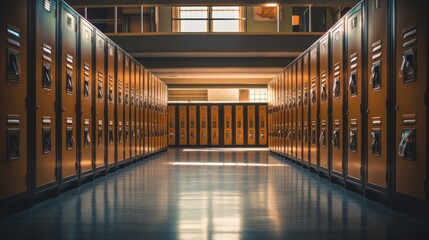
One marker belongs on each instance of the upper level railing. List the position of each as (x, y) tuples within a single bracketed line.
[(165, 19)]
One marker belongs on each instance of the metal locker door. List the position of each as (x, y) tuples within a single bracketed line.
[(99, 101), (193, 125), (262, 123), (411, 112), (354, 94), (280, 114), (183, 125), (152, 112), (13, 89), (292, 85), (146, 112), (203, 125), (377, 89), (306, 110), (85, 92), (127, 108), (214, 124), (110, 104), (158, 114), (227, 113), (119, 112), (171, 125), (313, 124), (337, 85), (299, 90), (132, 86), (288, 117), (239, 128), (67, 82), (251, 125), (138, 110), (324, 101), (45, 60)]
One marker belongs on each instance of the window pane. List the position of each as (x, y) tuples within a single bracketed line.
[(193, 12), (193, 25), (226, 25), (226, 12)]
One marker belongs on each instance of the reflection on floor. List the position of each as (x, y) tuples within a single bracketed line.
[(211, 195)]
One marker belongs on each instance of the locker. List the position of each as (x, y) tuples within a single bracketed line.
[(183, 125), (354, 94), (324, 101), (227, 112), (377, 89), (146, 112), (203, 125), (279, 116), (214, 124), (99, 102), (110, 104), (299, 111), (171, 125), (166, 115), (289, 134), (411, 112), (127, 108), (152, 113), (66, 84), (262, 124), (306, 110), (313, 125), (132, 109), (158, 113), (251, 125), (239, 125), (139, 118), (13, 86), (282, 120), (337, 83), (45, 60), (292, 85), (192, 125), (85, 93), (119, 109)]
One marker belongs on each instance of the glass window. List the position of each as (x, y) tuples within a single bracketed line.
[(258, 95)]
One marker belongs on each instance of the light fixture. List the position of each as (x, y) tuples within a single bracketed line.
[(271, 4)]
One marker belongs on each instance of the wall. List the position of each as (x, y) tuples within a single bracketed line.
[(223, 95), (256, 26)]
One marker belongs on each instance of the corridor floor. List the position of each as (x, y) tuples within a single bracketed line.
[(211, 194)]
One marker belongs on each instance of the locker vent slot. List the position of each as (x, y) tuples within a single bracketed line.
[(46, 140), (13, 32), (46, 120), (46, 76), (376, 46), (86, 122), (409, 119), (47, 5), (409, 31), (14, 67), (354, 23), (376, 142), (69, 22), (100, 123), (376, 4), (12, 120), (69, 121), (13, 144), (69, 138), (376, 121), (407, 146), (353, 122), (47, 49)]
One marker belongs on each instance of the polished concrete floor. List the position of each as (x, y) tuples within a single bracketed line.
[(188, 194)]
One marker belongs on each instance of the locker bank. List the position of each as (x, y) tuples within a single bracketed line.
[(206, 120)]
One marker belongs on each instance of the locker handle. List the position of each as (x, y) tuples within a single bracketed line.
[(353, 141), (100, 91), (406, 147), (313, 95), (46, 76), (323, 92), (322, 138), (69, 139), (69, 82), (47, 141), (353, 83), (375, 76), (407, 66), (86, 90), (111, 136), (13, 144), (305, 98), (375, 142), (120, 97), (87, 138), (14, 65), (336, 139), (336, 88), (100, 136)]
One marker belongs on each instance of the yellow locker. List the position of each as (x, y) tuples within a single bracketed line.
[(251, 125), (183, 140), (214, 124), (193, 125), (239, 128), (262, 124), (171, 125), (324, 93), (314, 105), (306, 110), (227, 112), (203, 125)]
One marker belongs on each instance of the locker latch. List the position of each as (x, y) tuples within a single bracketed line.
[(336, 88), (313, 136), (353, 141), (305, 98), (407, 70), (69, 138), (46, 140), (14, 66), (110, 95), (313, 95), (100, 91), (46, 76), (336, 139), (375, 142), (127, 135), (111, 136), (322, 138), (86, 138), (203, 135), (407, 148), (86, 90), (120, 97), (375, 76), (182, 135), (323, 92), (120, 135), (69, 82), (227, 136), (100, 136), (353, 83), (13, 144)]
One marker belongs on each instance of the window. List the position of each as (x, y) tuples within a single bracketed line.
[(258, 95), (208, 19)]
